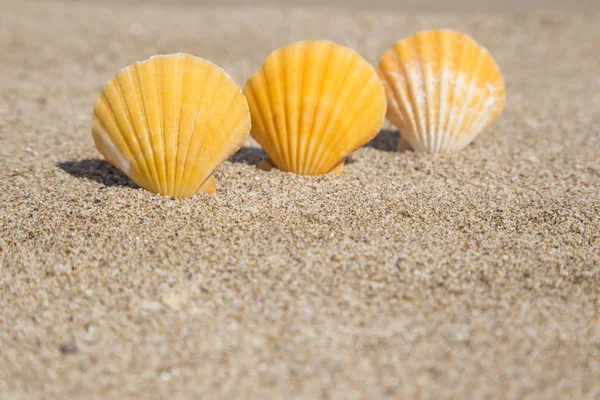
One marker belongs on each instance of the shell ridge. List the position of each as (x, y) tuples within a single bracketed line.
[(340, 132), (347, 125), (173, 124), (499, 87), (486, 116), (234, 124), (280, 67), (308, 156), (178, 172), (370, 107), (473, 86), (113, 116), (320, 129), (476, 125), (276, 132), (101, 129), (409, 111), (249, 92), (413, 99), (198, 113), (269, 137), (301, 152), (136, 136), (287, 114), (482, 122), (300, 111), (150, 68), (209, 114), (402, 101), (482, 112), (442, 55), (140, 152), (391, 98), (452, 118), (343, 129), (142, 101), (448, 86), (273, 132), (223, 116), (412, 92), (499, 90), (226, 114), (162, 122), (424, 84), (478, 109), (325, 129)]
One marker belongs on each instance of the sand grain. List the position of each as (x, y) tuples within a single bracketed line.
[(471, 275)]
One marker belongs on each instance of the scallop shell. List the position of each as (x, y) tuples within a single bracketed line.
[(312, 104), (169, 121), (443, 89)]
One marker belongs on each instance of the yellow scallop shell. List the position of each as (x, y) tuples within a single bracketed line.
[(169, 121), (443, 89), (312, 104)]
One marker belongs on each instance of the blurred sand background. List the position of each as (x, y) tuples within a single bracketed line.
[(426, 6), (474, 275)]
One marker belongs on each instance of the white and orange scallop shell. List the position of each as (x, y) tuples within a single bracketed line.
[(443, 89), (169, 121), (313, 103)]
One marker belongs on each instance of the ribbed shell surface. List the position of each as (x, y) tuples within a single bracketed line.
[(313, 103), (168, 122), (443, 89)]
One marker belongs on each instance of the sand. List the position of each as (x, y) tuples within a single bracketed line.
[(474, 275)]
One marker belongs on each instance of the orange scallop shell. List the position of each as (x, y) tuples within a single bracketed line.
[(313, 103), (443, 89), (169, 121)]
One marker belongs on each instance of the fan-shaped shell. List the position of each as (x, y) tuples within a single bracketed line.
[(312, 104), (443, 89), (169, 121)]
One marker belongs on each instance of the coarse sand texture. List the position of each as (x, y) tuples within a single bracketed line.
[(410, 275)]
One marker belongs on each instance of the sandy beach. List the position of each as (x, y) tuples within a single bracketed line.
[(474, 275)]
